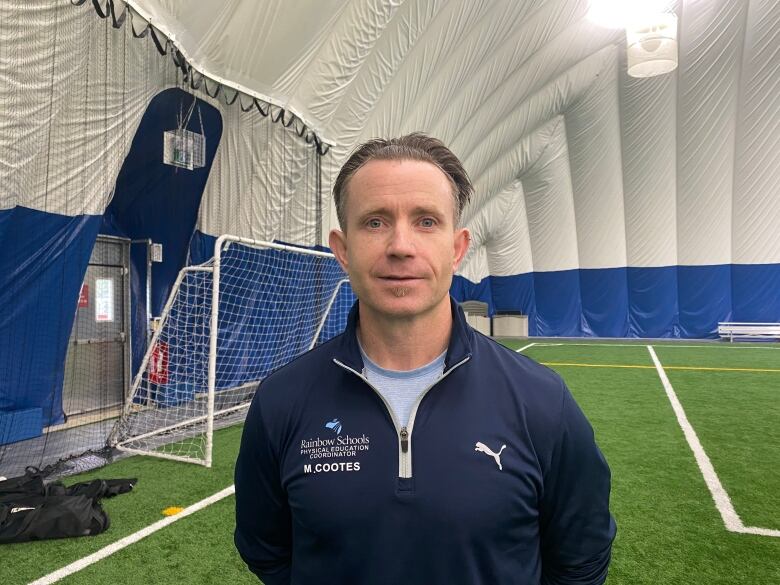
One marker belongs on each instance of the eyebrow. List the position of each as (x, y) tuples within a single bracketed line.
[(419, 210)]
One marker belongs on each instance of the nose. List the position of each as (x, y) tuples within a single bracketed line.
[(401, 242)]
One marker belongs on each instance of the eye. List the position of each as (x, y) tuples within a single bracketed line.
[(427, 222), (374, 223)]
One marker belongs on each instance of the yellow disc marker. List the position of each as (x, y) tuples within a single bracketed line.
[(172, 511)]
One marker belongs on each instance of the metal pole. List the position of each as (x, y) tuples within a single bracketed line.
[(148, 290), (148, 242), (127, 350), (318, 227), (213, 338)]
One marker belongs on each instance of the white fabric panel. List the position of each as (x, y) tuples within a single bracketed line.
[(593, 133), (353, 103), (501, 222), (509, 245), (262, 182), (350, 43), (541, 111), (72, 93), (649, 136), (539, 115), (506, 169), (756, 199), (502, 115), (474, 265), (444, 79), (710, 48), (450, 53), (262, 46), (397, 69), (224, 207), (509, 122), (477, 59), (550, 207), (501, 228)]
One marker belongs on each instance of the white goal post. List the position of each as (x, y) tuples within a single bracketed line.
[(226, 325)]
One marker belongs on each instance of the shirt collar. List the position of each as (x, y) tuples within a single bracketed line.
[(459, 347)]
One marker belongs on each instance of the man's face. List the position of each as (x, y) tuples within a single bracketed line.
[(400, 246)]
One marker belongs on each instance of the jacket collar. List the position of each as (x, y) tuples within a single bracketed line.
[(348, 351)]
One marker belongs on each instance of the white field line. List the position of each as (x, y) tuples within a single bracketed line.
[(132, 539), (722, 501), (525, 347)]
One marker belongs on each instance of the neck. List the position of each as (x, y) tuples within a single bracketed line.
[(405, 344)]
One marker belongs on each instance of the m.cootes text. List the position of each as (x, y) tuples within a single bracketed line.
[(326, 467)]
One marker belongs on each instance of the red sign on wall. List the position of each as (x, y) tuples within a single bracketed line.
[(158, 364), (84, 296)]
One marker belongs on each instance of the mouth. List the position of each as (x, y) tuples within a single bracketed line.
[(399, 279)]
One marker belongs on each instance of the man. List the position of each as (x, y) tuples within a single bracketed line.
[(411, 449)]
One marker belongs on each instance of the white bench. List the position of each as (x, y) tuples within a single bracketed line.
[(732, 331)]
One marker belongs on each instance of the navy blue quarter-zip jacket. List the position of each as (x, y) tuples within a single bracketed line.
[(496, 480)]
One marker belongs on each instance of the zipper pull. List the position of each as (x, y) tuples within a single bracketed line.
[(404, 440)]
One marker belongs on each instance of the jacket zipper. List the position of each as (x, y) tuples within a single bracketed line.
[(404, 433)]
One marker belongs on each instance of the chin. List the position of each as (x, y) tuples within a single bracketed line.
[(402, 304)]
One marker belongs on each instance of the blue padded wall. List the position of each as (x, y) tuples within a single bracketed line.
[(669, 301), (44, 259)]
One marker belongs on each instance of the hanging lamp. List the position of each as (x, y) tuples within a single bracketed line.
[(651, 45)]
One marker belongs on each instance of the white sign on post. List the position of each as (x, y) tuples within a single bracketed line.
[(104, 299)]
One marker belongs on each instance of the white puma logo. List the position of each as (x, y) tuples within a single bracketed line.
[(497, 456)]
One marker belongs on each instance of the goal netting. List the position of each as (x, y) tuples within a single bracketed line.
[(228, 324)]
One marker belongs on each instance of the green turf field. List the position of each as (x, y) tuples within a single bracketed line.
[(669, 529)]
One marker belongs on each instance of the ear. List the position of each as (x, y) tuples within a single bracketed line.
[(337, 241), (462, 240)]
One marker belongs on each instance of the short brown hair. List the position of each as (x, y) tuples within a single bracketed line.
[(414, 146)]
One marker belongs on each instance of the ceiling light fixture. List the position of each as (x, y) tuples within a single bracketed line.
[(651, 32), (651, 45)]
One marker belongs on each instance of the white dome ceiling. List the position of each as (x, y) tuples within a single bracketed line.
[(535, 100)]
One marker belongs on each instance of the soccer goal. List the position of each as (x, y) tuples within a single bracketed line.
[(227, 324)]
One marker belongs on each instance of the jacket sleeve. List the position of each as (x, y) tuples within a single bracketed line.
[(577, 529), (263, 522)]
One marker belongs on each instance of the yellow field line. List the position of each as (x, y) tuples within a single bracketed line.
[(722, 369), (576, 365)]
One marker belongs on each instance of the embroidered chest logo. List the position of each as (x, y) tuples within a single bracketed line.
[(334, 425), (339, 450), (482, 448)]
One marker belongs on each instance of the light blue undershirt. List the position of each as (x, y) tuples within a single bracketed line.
[(402, 388)]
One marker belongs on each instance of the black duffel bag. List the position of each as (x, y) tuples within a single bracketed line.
[(44, 517), (33, 510)]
